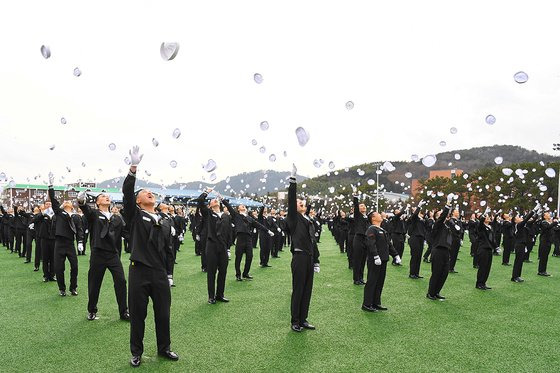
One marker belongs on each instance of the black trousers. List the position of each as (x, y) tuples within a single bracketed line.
[(64, 248), (144, 283), (398, 243), (484, 264), (508, 248), (217, 261), (530, 246), (544, 252), (474, 252), (359, 255), (47, 253), (19, 235), (302, 286), (350, 250), (277, 245), (100, 261), (416, 244), (440, 270), (254, 239), (556, 247), (375, 281), (454, 253), (265, 241), (10, 233), (428, 250), (202, 253), (243, 245), (342, 240), (38, 252), (518, 263), (29, 238)]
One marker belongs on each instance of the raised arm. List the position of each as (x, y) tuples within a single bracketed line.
[(55, 203)]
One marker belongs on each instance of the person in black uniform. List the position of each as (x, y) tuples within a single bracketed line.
[(216, 247), (486, 244), (350, 242), (429, 226), (473, 229), (521, 236), (243, 245), (556, 239), (442, 240), (398, 233), (283, 227), (7, 222), (66, 231), (457, 232), (19, 223), (86, 232), (305, 257), (29, 233), (547, 225), (150, 266), (417, 235), (359, 252), (379, 247), (117, 223), (46, 232), (508, 239), (228, 230), (265, 241), (341, 229), (35, 226), (497, 227), (533, 230), (104, 254)]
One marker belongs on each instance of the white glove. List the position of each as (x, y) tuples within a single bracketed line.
[(421, 203), (271, 233), (170, 280), (461, 242), (197, 237), (181, 237), (283, 234), (228, 254), (525, 250), (82, 197), (279, 230), (377, 260), (398, 259), (316, 268), (294, 170), (487, 211), (135, 156), (51, 178), (498, 250), (32, 226), (80, 247), (173, 231), (86, 231), (537, 207)]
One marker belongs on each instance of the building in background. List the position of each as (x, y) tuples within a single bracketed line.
[(449, 174)]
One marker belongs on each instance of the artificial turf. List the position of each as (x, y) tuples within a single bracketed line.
[(514, 327)]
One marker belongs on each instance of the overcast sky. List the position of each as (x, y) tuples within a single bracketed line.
[(412, 68)]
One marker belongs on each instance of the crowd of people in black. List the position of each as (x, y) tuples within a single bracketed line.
[(153, 234)]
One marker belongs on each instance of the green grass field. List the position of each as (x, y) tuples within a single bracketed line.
[(514, 327)]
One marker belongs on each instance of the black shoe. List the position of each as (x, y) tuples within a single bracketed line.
[(36, 269), (238, 278), (414, 277), (27, 261), (45, 279), (487, 287), (545, 274), (74, 292), (125, 316), (362, 282), (169, 355), (379, 307), (307, 325), (357, 283), (222, 299), (453, 271), (506, 264), (420, 276), (368, 308), (475, 266), (426, 260), (62, 293), (297, 328), (135, 361), (52, 279), (92, 316), (203, 269), (266, 266), (480, 287), (517, 279), (211, 300), (430, 297), (440, 297), (247, 277), (528, 261)]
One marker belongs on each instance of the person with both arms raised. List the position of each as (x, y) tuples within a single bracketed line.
[(359, 252), (522, 239), (379, 246), (398, 232), (508, 239), (104, 233), (546, 226), (305, 257), (442, 240), (486, 243), (457, 232), (216, 247), (67, 230), (46, 236), (150, 266), (417, 235), (243, 243)]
